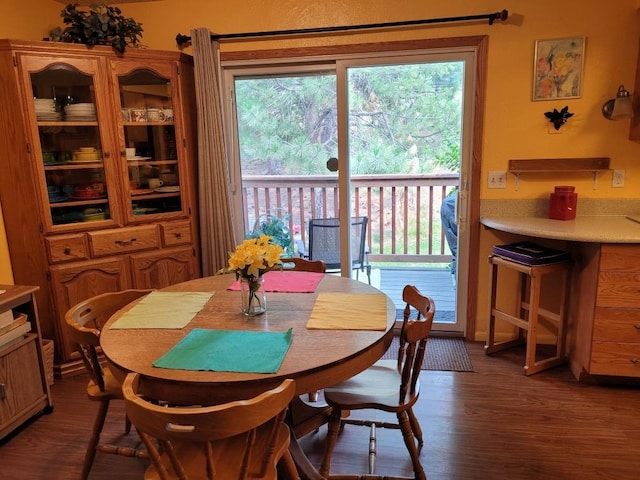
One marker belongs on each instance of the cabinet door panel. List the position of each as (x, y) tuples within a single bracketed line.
[(161, 269), (75, 282), (20, 375), (72, 149), (150, 139)]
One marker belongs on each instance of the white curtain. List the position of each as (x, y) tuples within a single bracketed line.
[(216, 226)]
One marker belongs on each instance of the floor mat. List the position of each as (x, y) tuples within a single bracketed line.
[(442, 353)]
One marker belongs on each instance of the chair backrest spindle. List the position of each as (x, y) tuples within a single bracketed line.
[(413, 338)]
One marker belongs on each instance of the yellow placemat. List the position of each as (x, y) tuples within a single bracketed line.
[(349, 311), (163, 310)]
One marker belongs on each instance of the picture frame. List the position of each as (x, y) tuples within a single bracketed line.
[(558, 68)]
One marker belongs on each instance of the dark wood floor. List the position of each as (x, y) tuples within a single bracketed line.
[(493, 423)]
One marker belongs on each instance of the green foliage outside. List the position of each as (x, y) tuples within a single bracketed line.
[(403, 119)]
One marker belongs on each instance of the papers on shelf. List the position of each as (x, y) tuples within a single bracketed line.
[(14, 335), (164, 310), (349, 311)]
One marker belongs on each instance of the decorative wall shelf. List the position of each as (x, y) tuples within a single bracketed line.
[(564, 165)]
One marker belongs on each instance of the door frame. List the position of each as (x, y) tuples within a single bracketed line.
[(469, 183)]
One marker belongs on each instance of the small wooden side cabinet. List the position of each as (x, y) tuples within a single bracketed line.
[(24, 390), (606, 323)]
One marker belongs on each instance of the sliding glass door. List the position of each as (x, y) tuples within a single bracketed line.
[(378, 137)]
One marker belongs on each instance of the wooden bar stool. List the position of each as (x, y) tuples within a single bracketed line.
[(531, 315)]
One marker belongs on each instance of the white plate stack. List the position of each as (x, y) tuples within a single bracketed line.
[(46, 110), (80, 112)]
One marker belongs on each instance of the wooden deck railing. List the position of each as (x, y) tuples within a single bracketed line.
[(403, 210)]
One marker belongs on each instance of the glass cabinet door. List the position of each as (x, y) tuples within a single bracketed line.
[(149, 141), (71, 144)]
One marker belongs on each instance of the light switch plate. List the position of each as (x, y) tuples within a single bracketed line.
[(497, 180), (617, 180)]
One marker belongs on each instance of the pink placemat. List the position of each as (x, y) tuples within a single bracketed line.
[(291, 282)]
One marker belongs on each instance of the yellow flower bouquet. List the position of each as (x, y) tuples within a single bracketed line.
[(250, 261)]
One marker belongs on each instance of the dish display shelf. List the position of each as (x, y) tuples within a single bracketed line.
[(100, 149)]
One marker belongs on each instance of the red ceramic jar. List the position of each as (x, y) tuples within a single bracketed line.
[(562, 205)]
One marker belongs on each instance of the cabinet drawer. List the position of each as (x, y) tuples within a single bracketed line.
[(618, 289), (621, 258), (177, 233), (615, 358), (123, 240), (66, 248), (616, 325)]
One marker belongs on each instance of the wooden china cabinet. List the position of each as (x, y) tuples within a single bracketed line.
[(98, 173)]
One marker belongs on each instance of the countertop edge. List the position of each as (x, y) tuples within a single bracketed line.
[(588, 229)]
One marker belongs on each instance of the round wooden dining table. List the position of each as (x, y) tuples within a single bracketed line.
[(317, 358)]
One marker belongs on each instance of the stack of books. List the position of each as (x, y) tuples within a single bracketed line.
[(529, 253), (13, 328)]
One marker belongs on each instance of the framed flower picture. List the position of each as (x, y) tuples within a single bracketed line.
[(557, 69)]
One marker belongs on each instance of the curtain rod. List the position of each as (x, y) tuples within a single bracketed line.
[(181, 40)]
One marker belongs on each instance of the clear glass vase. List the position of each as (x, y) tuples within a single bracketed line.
[(254, 299)]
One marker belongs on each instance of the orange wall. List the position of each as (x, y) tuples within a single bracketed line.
[(515, 126)]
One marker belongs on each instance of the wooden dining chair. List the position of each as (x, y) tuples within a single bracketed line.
[(235, 440), (388, 385), (84, 323), (303, 265)]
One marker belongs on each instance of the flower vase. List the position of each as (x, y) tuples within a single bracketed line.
[(254, 300)]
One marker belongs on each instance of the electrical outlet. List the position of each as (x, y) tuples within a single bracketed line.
[(617, 180), (497, 180)]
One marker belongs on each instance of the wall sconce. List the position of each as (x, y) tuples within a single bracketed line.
[(619, 107)]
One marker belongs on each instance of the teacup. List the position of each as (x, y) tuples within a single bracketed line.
[(138, 114), (130, 152), (168, 114), (155, 183), (169, 178), (155, 115)]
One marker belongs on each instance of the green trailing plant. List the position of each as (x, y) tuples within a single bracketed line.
[(101, 25), (276, 228)]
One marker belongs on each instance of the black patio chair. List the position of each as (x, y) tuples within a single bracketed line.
[(324, 244)]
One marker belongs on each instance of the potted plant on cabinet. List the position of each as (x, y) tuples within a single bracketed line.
[(101, 25)]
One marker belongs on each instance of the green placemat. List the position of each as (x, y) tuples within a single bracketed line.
[(228, 351)]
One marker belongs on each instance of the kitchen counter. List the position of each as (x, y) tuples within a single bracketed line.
[(596, 228)]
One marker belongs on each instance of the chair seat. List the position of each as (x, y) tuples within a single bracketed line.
[(112, 388), (376, 387), (226, 455)]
